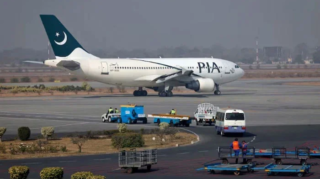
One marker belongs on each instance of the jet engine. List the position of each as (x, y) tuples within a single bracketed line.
[(201, 85)]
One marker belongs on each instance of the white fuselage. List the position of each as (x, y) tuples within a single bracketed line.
[(141, 72)]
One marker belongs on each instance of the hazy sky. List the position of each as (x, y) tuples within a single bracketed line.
[(152, 24)]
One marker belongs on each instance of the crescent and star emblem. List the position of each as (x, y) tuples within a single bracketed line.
[(63, 41)]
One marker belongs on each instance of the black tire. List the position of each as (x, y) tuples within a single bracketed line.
[(144, 93), (187, 125), (237, 173), (129, 121), (145, 121), (225, 161), (148, 167), (303, 162), (278, 162), (130, 170), (158, 122), (109, 119), (300, 175)]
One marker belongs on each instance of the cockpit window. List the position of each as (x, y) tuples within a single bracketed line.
[(236, 66)]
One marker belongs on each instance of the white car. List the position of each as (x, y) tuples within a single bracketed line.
[(108, 118)]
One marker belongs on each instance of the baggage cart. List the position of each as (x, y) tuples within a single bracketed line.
[(226, 153), (237, 169), (300, 170), (132, 160), (172, 120)]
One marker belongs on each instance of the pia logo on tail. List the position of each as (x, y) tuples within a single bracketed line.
[(64, 39)]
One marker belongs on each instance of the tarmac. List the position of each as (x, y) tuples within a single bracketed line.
[(277, 115)]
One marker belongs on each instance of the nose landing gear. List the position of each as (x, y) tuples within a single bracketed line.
[(217, 91)]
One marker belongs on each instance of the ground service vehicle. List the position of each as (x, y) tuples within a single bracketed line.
[(129, 114), (230, 121), (205, 113), (111, 117), (132, 160), (172, 120)]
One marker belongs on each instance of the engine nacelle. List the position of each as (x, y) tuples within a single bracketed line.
[(201, 85)]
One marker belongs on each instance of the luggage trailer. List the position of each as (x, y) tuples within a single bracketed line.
[(277, 153), (172, 120), (132, 160)]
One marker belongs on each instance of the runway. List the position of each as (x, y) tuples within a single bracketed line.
[(275, 115)]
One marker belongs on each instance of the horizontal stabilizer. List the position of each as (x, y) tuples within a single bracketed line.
[(35, 62)]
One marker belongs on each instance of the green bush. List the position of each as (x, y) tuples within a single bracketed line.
[(52, 173), (14, 80), (19, 172), (51, 79), (2, 131), (47, 132), (24, 133), (163, 125), (122, 127), (96, 177), (25, 79), (2, 80), (73, 79), (127, 140), (81, 175)]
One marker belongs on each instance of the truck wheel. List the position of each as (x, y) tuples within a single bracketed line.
[(109, 119), (149, 167), (237, 173), (171, 124), (130, 170), (158, 122), (187, 125), (129, 121), (145, 121)]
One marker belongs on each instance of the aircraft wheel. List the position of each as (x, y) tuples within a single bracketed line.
[(169, 93), (144, 93), (217, 92), (162, 94)]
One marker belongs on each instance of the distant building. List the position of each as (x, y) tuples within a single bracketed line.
[(273, 53)]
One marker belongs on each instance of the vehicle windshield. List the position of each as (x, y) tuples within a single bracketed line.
[(234, 116)]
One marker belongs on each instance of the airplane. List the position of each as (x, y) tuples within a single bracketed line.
[(158, 74)]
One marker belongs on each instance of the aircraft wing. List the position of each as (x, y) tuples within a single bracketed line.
[(183, 75)]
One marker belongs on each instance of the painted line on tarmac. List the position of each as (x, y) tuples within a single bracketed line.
[(67, 161), (254, 138), (102, 159), (162, 155), (34, 163), (183, 153), (198, 137), (67, 125)]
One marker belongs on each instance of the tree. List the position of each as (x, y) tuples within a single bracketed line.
[(298, 59), (301, 49), (79, 141), (316, 56)]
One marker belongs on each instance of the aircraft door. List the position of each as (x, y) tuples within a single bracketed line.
[(104, 68)]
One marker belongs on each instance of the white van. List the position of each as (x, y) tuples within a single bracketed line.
[(230, 121)]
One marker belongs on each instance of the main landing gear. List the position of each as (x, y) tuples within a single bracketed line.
[(140, 92), (217, 91), (165, 93)]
